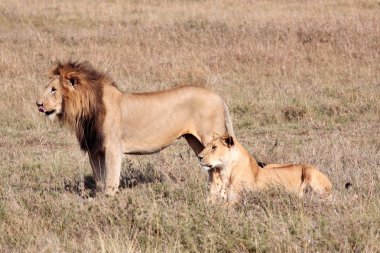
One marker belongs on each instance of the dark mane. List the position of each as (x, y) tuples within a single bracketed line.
[(83, 107)]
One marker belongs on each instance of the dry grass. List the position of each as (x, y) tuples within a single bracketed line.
[(302, 79)]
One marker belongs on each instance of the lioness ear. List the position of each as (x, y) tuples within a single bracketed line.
[(228, 140), (72, 79)]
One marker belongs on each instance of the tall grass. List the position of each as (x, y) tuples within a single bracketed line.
[(302, 80)]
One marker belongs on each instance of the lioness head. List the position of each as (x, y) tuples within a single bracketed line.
[(218, 154)]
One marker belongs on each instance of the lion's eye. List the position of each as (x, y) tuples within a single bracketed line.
[(53, 89), (213, 148)]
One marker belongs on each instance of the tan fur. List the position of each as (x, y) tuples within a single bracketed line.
[(109, 123), (232, 169)]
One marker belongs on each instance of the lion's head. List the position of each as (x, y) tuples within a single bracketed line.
[(50, 101), (219, 153), (74, 96)]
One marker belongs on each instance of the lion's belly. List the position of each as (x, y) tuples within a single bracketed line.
[(143, 147), (149, 143)]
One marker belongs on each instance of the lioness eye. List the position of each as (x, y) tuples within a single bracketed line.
[(213, 148), (53, 89)]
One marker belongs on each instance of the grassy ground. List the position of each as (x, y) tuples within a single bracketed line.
[(302, 80)]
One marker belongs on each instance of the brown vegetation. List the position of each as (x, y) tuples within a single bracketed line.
[(300, 74)]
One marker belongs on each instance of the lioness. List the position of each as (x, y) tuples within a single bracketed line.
[(233, 169), (109, 123)]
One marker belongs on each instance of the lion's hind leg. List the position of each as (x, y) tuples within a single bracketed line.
[(194, 143)]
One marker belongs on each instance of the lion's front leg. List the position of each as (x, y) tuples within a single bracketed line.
[(106, 167), (97, 161), (113, 157)]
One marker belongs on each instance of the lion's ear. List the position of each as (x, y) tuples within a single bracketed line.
[(72, 79), (55, 69)]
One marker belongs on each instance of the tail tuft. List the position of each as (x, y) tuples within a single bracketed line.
[(348, 185)]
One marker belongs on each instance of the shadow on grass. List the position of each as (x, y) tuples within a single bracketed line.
[(130, 177)]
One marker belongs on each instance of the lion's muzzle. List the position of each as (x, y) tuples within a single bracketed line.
[(40, 107)]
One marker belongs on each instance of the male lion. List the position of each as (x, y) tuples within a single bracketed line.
[(109, 123), (233, 169)]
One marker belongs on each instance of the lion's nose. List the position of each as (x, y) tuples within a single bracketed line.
[(40, 107)]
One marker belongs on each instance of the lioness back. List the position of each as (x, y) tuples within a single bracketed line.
[(296, 177)]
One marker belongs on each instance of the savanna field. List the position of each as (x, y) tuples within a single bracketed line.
[(302, 82)]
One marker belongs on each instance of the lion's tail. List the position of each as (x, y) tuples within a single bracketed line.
[(228, 121)]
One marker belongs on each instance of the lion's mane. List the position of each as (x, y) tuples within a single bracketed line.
[(83, 107)]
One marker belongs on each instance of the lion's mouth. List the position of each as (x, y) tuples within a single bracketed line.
[(47, 113)]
